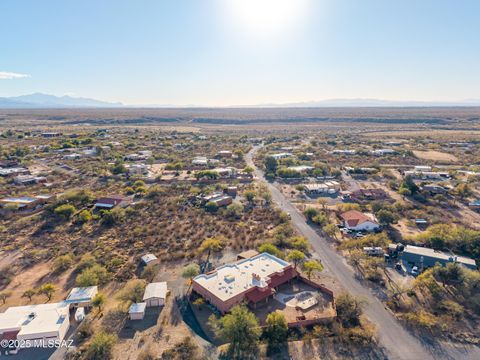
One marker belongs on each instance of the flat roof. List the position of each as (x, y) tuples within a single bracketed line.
[(34, 319), (155, 290), (148, 258), (423, 251), (82, 294), (137, 308), (232, 279), (22, 200)]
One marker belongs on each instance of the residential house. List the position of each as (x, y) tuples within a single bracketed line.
[(34, 322), (327, 187), (343, 152), (250, 280), (301, 169), (425, 257), (430, 175), (434, 189), (358, 221), (11, 171), (279, 156), (218, 199), (137, 169), (51, 134), (30, 180), (381, 152), (27, 203), (225, 154), (109, 202), (368, 194)]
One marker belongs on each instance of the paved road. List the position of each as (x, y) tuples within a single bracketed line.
[(398, 342)]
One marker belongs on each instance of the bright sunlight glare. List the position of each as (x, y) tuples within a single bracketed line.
[(267, 19)]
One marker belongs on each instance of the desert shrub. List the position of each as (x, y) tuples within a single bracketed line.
[(65, 211), (101, 346), (114, 216), (63, 263), (348, 310), (132, 291), (84, 216), (95, 275)]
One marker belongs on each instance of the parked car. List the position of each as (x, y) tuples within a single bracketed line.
[(414, 271), (399, 267)]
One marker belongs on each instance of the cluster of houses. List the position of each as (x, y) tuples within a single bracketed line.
[(20, 174)]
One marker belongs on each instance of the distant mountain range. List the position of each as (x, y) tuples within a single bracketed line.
[(375, 103), (39, 100)]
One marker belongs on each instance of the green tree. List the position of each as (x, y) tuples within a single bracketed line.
[(101, 346), (451, 273), (248, 169), (4, 295), (312, 266), (114, 216), (189, 272), (234, 210), (299, 243), (276, 331), (270, 249), (249, 196), (84, 216), (331, 230), (63, 262), (133, 291), (119, 168), (98, 301), (29, 293), (271, 164), (241, 330), (386, 217), (92, 276), (65, 211), (48, 290), (348, 310), (310, 213), (210, 245), (211, 206), (296, 256)]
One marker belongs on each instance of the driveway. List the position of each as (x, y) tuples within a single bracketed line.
[(396, 340)]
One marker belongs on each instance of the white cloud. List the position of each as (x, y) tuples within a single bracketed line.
[(11, 75)]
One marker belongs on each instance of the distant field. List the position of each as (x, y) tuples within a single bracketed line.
[(373, 117), (434, 155)]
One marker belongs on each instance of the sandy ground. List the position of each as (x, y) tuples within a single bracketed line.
[(33, 278), (435, 155)]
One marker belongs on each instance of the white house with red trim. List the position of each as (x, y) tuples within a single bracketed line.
[(250, 280), (358, 221)]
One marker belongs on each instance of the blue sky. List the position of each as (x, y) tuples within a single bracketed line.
[(237, 52)]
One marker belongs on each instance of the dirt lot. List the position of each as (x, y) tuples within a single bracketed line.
[(435, 156)]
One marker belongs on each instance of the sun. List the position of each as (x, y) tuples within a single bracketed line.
[(266, 18)]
